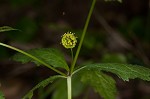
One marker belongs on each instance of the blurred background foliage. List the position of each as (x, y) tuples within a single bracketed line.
[(118, 32)]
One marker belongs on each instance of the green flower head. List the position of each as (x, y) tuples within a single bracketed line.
[(69, 40)]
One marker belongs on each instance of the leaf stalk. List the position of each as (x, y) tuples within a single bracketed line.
[(82, 37)]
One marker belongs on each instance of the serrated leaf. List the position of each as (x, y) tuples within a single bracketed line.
[(103, 84), (124, 71), (6, 28), (41, 84), (1, 95), (50, 56)]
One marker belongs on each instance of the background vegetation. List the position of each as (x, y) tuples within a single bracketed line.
[(118, 32)]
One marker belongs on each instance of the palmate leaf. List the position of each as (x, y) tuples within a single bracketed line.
[(41, 84), (50, 56), (1, 95), (103, 84), (6, 28), (124, 71), (92, 76)]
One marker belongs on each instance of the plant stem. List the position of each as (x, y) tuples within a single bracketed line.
[(69, 87), (83, 35), (33, 57), (72, 54)]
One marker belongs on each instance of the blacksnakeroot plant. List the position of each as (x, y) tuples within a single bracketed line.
[(89, 74)]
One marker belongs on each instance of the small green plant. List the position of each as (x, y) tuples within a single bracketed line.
[(89, 74)]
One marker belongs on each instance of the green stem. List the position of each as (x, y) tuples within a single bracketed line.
[(69, 87), (72, 54), (33, 57), (83, 35)]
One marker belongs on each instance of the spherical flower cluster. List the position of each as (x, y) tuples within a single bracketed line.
[(69, 40)]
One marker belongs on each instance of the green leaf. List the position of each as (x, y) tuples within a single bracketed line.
[(6, 28), (124, 71), (1, 95), (77, 86), (103, 84), (41, 84), (48, 55), (61, 90)]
